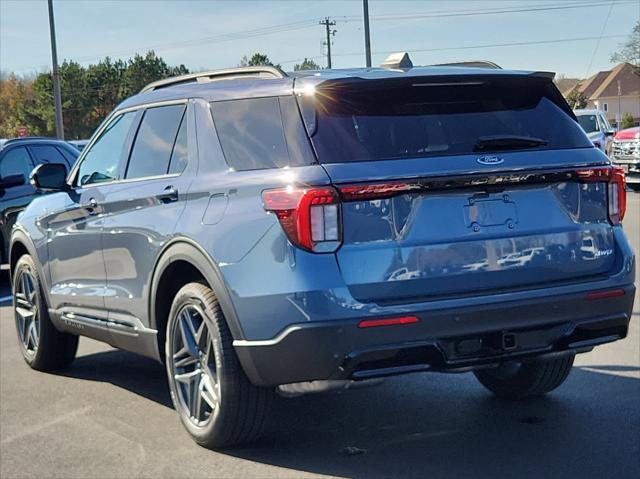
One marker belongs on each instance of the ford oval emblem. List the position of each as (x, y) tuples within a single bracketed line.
[(490, 160)]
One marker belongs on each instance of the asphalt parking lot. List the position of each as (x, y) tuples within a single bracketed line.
[(110, 415)]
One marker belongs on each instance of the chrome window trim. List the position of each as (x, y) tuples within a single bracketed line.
[(130, 180), (105, 124)]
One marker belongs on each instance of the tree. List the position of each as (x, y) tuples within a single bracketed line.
[(104, 81), (307, 64), (577, 99), (627, 121), (258, 59), (16, 95), (88, 94), (77, 100), (142, 70), (629, 52)]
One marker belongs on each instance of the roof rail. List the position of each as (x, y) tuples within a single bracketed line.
[(471, 64), (226, 73)]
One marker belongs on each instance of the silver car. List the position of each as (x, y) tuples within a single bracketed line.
[(597, 127)]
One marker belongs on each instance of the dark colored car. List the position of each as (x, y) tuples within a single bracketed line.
[(17, 159), (262, 231)]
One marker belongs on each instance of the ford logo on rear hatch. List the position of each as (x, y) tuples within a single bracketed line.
[(490, 160)]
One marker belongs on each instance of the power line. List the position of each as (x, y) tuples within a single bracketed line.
[(491, 11), (472, 47), (595, 50)]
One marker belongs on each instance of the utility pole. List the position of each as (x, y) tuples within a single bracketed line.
[(328, 24), (57, 99), (619, 115), (367, 37)]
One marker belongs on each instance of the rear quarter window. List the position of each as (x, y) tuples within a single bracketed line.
[(260, 133)]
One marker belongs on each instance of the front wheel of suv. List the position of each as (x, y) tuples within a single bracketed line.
[(42, 345), (519, 380), (217, 404)]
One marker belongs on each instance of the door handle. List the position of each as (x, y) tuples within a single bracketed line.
[(168, 195)]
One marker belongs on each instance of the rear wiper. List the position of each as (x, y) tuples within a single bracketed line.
[(507, 142)]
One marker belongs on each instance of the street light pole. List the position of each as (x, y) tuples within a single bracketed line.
[(57, 97), (367, 38)]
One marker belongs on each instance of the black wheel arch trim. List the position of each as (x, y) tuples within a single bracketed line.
[(21, 236), (185, 249)]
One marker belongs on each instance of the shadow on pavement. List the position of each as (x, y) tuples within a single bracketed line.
[(431, 425), (140, 375)]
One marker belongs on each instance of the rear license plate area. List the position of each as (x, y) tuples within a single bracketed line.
[(490, 212)]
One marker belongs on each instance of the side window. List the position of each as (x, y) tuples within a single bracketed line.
[(100, 164), (251, 133), (180, 155), (70, 157), (153, 146), (16, 161), (48, 154)]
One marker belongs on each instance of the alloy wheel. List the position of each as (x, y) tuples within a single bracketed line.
[(193, 366), (26, 311)]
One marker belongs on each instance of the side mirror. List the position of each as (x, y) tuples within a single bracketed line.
[(610, 132), (49, 177), (12, 180)]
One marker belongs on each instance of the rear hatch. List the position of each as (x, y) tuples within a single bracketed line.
[(456, 185)]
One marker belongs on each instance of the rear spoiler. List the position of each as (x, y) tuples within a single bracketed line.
[(547, 75)]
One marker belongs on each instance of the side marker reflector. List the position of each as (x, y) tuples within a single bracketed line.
[(372, 323), (613, 293)]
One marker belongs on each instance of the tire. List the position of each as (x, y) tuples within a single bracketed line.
[(227, 409), (520, 380), (43, 347)]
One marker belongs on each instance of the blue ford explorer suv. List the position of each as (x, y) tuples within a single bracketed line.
[(260, 231)]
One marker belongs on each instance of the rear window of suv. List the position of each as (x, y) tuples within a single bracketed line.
[(363, 120), (259, 133)]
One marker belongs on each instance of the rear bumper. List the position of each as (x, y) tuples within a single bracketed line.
[(445, 340)]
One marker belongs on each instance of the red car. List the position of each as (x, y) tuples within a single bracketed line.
[(625, 151)]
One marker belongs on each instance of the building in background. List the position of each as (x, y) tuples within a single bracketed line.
[(615, 92)]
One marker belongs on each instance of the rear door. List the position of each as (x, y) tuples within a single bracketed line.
[(443, 187), (142, 210)]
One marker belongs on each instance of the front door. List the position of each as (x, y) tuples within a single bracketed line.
[(75, 221)]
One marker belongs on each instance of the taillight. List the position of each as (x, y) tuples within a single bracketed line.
[(617, 194), (310, 216)]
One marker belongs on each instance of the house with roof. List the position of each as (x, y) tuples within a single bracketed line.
[(615, 92)]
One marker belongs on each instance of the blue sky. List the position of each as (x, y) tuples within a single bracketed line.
[(214, 34)]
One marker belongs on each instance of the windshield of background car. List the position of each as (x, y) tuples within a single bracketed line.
[(589, 123), (363, 120)]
